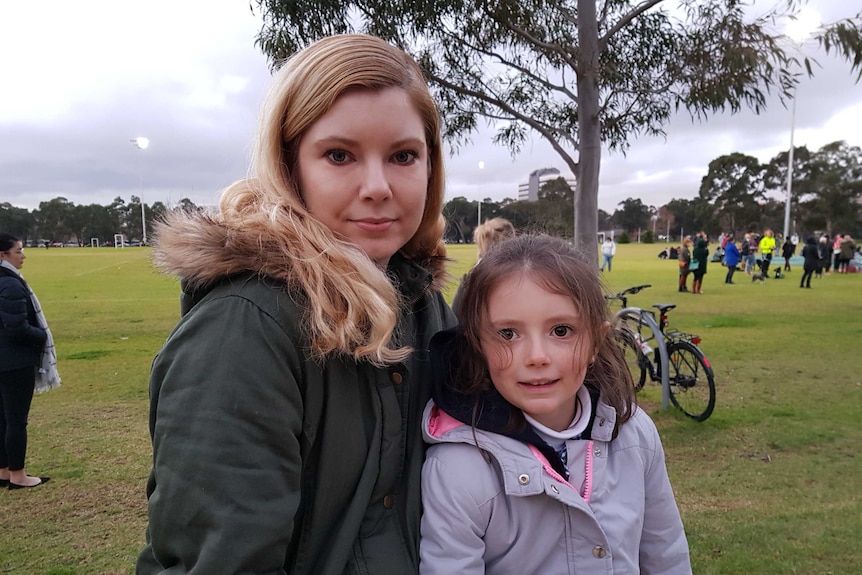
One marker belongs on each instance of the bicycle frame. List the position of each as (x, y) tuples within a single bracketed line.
[(646, 317)]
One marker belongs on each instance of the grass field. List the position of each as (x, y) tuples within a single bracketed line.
[(770, 484)]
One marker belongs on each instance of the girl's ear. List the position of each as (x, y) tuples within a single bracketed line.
[(605, 327)]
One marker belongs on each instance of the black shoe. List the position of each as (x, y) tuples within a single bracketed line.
[(42, 481), (4, 483)]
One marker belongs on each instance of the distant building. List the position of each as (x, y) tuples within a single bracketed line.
[(529, 190)]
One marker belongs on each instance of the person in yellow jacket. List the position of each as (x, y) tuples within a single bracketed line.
[(767, 246)]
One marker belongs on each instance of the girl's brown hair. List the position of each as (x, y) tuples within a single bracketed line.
[(560, 269)]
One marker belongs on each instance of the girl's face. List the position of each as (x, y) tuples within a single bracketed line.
[(537, 349), (363, 170), (15, 255)]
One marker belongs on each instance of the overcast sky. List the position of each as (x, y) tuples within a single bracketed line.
[(79, 80)]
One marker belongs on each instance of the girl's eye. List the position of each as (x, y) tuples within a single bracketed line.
[(562, 330), (337, 156), (507, 333), (404, 157)]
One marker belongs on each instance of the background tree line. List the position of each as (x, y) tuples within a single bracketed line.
[(737, 194), (60, 220)]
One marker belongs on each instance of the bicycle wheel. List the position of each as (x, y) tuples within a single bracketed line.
[(638, 363), (692, 385)]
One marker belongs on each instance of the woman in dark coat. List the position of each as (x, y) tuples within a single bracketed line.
[(21, 342), (699, 255), (812, 261)]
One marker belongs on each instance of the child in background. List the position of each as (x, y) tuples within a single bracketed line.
[(731, 258), (491, 233), (541, 462)]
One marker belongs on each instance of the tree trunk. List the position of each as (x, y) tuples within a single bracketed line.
[(590, 143)]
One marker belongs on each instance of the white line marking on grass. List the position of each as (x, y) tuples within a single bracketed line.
[(79, 274)]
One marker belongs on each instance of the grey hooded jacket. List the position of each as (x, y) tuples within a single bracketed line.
[(503, 509)]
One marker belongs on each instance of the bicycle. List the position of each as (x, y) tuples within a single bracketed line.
[(651, 349)]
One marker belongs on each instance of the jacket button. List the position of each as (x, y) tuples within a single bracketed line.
[(602, 422), (599, 552), (598, 451), (523, 479), (388, 502), (396, 378)]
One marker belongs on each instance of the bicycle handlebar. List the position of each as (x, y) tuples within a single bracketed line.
[(632, 290)]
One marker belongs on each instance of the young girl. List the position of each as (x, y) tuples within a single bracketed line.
[(541, 462)]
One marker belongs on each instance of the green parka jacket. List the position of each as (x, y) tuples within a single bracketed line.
[(266, 462)]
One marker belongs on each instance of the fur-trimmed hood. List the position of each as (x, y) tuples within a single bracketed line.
[(200, 250)]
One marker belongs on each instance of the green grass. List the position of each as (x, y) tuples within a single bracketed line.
[(769, 484)]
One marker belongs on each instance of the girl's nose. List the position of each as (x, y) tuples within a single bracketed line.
[(537, 353)]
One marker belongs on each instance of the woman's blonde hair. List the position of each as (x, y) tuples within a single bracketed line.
[(352, 305), (492, 232)]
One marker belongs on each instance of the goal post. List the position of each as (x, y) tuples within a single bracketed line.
[(94, 242), (118, 241)]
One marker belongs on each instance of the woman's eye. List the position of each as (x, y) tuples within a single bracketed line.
[(562, 330), (337, 156), (404, 157), (507, 334)]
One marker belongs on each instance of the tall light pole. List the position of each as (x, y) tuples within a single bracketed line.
[(479, 212), (789, 168), (798, 30), (142, 143)]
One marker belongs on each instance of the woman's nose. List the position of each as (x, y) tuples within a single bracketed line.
[(375, 183)]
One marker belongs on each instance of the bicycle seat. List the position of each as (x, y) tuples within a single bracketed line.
[(663, 307)]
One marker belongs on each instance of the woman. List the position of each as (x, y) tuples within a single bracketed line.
[(847, 249), (767, 246), (24, 340), (286, 405), (698, 262), (787, 251), (812, 259), (684, 263)]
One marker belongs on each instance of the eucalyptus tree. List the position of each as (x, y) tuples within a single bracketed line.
[(633, 215), (582, 74), (735, 186), (16, 221), (831, 193)]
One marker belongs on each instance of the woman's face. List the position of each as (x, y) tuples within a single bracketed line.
[(363, 170), (15, 255)]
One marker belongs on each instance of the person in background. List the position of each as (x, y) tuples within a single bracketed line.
[(812, 260), (754, 246), (609, 250), (825, 250), (836, 253), (541, 461), (285, 407), (847, 250), (699, 256), (28, 363), (767, 246), (684, 262), (745, 254), (787, 251), (731, 258), (491, 233)]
